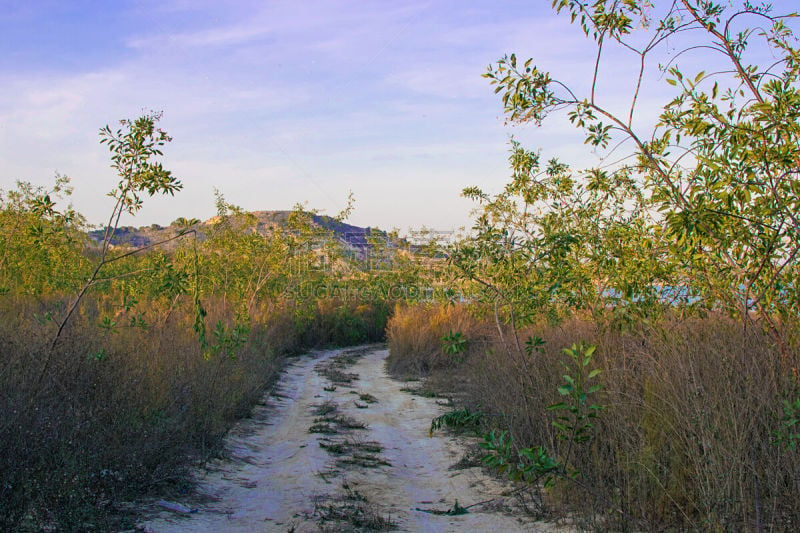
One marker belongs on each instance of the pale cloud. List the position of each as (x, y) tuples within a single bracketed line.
[(212, 37)]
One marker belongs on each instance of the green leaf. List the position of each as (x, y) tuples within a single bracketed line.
[(561, 427), (527, 453)]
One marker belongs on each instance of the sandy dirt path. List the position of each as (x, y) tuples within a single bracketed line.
[(338, 446)]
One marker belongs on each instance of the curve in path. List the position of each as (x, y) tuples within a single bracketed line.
[(303, 463)]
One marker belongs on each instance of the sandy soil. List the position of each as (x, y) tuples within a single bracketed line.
[(282, 477)]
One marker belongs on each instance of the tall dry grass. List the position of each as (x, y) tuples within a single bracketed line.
[(414, 335), (126, 412), (685, 441)]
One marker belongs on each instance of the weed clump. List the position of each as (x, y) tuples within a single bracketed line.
[(351, 510)]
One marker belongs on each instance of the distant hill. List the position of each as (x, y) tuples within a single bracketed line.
[(266, 221)]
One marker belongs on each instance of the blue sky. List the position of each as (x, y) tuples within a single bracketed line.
[(280, 102)]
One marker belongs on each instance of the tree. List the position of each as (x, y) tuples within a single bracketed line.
[(133, 148), (720, 169), (40, 244)]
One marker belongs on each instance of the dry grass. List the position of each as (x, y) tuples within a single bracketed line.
[(415, 333), (119, 414), (350, 511), (686, 440)]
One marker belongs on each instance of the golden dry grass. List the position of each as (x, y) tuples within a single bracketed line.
[(686, 440), (126, 412)]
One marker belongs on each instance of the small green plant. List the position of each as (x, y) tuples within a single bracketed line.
[(228, 340), (454, 343), (534, 344), (457, 510), (108, 324), (100, 355), (573, 425), (529, 465), (458, 419), (788, 434)]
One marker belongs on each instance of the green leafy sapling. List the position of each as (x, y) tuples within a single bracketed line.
[(788, 434), (135, 147), (573, 425), (576, 412)]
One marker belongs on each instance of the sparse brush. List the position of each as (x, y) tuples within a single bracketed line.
[(353, 510), (346, 422), (334, 448), (338, 377), (363, 461), (332, 424), (351, 445), (123, 410), (325, 408), (322, 427), (696, 430)]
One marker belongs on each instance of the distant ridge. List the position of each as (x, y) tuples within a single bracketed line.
[(266, 222)]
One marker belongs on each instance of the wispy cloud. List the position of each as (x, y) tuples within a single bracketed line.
[(279, 102), (207, 38)]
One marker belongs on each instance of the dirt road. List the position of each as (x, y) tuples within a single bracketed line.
[(340, 447)]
